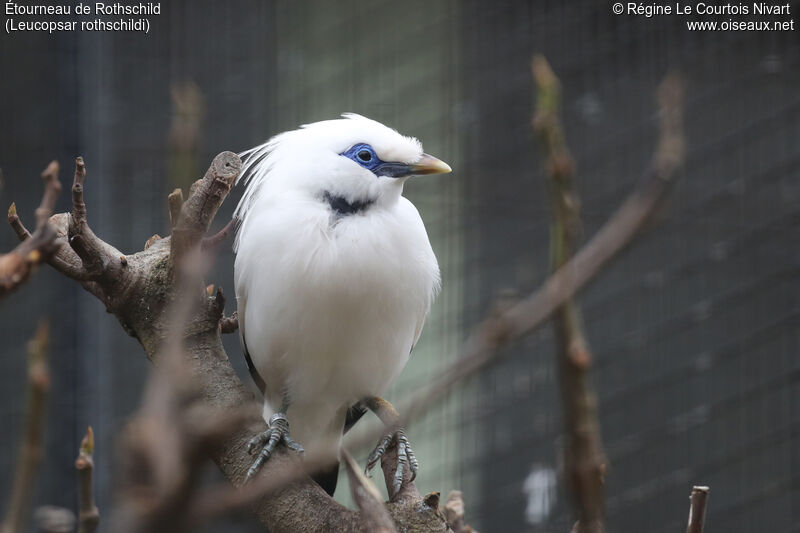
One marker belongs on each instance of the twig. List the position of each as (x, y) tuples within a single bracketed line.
[(373, 514), (211, 242), (454, 513), (175, 202), (697, 509), (585, 462), (97, 260), (18, 265), (229, 324), (88, 514), (30, 450)]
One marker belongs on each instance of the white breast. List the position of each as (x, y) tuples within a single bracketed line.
[(332, 307)]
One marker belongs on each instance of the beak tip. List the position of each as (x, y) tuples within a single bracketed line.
[(431, 165)]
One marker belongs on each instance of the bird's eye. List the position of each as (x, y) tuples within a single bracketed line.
[(365, 156)]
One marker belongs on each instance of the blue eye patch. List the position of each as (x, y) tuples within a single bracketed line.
[(365, 155)]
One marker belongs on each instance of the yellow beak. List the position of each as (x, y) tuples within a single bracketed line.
[(428, 164)]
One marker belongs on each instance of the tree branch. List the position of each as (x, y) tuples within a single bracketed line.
[(373, 514), (229, 324), (200, 208), (697, 509), (30, 449), (175, 202), (210, 243), (585, 462), (18, 265), (88, 514), (454, 513)]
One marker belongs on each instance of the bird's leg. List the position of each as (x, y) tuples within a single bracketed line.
[(264, 443), (405, 455)]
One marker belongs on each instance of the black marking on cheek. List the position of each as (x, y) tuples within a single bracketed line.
[(343, 207)]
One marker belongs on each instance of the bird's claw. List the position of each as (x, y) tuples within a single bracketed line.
[(405, 457), (264, 443)]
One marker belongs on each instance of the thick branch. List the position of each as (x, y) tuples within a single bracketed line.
[(583, 455), (30, 449), (88, 514), (200, 208), (697, 509)]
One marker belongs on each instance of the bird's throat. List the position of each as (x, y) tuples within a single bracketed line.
[(341, 206)]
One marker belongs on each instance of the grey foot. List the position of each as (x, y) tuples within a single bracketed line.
[(405, 457), (264, 443)]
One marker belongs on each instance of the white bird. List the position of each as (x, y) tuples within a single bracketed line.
[(334, 277)]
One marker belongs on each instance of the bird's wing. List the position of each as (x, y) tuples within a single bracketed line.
[(259, 381)]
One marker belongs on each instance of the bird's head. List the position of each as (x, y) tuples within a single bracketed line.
[(353, 160)]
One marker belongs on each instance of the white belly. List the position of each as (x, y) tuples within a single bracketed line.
[(331, 312)]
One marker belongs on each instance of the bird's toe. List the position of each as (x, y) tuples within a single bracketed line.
[(264, 443), (406, 460), (257, 443)]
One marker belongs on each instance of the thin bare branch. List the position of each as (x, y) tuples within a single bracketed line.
[(373, 514), (175, 202), (30, 449), (209, 243), (78, 204), (18, 265), (454, 513), (88, 514), (16, 224), (99, 260), (584, 459), (697, 509)]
